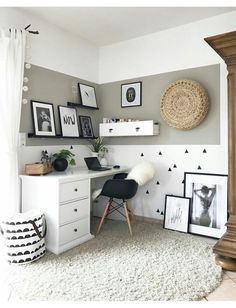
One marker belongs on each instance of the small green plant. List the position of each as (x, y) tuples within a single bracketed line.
[(66, 154), (97, 145)]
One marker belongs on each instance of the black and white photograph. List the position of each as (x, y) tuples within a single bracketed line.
[(86, 126), (68, 121), (131, 94), (176, 215), (208, 210), (43, 118), (87, 95)]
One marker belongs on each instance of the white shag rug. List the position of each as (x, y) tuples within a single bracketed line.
[(154, 264)]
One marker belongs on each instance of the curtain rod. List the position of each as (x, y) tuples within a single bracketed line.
[(30, 31)]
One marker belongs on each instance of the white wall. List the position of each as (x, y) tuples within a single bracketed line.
[(174, 49), (54, 48)]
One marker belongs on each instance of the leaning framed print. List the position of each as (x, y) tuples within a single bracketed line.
[(68, 121), (86, 126), (208, 209), (87, 95), (176, 214), (131, 94), (43, 118)]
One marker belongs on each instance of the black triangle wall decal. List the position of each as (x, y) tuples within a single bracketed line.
[(174, 166), (158, 211), (169, 169), (142, 154), (183, 182), (160, 153), (71, 147), (186, 151), (199, 168), (162, 213), (204, 151), (147, 192), (158, 183)]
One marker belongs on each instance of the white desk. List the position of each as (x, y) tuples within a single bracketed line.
[(64, 197)]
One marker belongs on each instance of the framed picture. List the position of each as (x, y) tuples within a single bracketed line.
[(208, 209), (176, 215), (86, 126), (43, 118), (87, 95), (131, 94), (68, 121)]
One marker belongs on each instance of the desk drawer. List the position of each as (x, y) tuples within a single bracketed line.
[(74, 190), (73, 231), (73, 211)]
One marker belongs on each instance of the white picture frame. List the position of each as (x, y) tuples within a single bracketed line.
[(87, 95), (176, 214), (68, 121), (208, 209), (43, 119)]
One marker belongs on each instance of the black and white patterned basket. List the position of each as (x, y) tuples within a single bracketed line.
[(24, 236)]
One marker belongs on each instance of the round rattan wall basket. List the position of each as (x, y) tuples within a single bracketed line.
[(184, 104)]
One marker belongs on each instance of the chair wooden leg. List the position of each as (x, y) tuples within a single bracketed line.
[(127, 217), (104, 215), (130, 212)]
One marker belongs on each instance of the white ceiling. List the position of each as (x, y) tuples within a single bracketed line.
[(107, 25)]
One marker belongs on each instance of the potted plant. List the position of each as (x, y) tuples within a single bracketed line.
[(97, 147), (62, 159)]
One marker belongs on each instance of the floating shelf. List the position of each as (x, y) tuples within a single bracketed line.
[(32, 135), (81, 106)]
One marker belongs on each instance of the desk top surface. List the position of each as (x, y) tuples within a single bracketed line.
[(78, 173)]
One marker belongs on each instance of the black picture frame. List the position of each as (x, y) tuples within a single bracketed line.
[(131, 94), (176, 213), (68, 121), (208, 208), (43, 118), (87, 95), (86, 127)]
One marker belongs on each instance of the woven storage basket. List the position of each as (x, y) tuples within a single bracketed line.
[(24, 236), (184, 104)]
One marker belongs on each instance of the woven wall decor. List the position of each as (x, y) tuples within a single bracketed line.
[(184, 104)]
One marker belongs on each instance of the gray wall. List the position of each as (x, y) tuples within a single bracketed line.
[(54, 87), (208, 132)]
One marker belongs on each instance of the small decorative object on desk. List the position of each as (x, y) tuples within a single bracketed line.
[(24, 236), (97, 147), (62, 159)]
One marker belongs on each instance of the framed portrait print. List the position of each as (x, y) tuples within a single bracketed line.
[(208, 209), (43, 118), (68, 121), (87, 95), (176, 214), (131, 94), (86, 126)]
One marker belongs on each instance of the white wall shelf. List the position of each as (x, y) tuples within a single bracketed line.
[(134, 128)]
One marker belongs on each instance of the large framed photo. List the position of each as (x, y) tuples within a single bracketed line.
[(43, 118), (68, 121), (176, 215), (208, 210), (87, 95), (131, 94), (86, 126)]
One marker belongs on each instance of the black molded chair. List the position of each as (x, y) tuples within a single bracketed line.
[(122, 189)]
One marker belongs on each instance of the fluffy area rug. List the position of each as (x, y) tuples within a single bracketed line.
[(155, 264)]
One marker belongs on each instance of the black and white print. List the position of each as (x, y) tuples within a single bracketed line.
[(68, 120), (87, 95), (208, 210), (43, 118), (86, 126), (131, 94)]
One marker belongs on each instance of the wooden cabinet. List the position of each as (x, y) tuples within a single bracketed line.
[(66, 204), (135, 128)]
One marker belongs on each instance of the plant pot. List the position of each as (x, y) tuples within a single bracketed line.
[(94, 154), (60, 164)]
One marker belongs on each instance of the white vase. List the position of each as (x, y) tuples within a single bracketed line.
[(103, 161), (94, 154)]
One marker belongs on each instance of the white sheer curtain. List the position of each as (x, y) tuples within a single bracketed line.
[(12, 55)]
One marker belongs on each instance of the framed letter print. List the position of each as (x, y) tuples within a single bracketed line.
[(131, 94), (68, 121), (43, 118), (176, 216), (86, 126), (208, 210), (87, 95)]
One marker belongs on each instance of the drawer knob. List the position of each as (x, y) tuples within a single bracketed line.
[(75, 230), (137, 129), (75, 210), (76, 189), (110, 130)]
